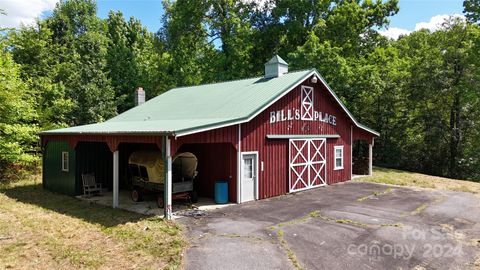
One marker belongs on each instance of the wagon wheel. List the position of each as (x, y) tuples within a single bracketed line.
[(160, 201), (136, 195)]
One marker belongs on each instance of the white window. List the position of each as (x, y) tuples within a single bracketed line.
[(65, 161), (338, 157), (248, 168)]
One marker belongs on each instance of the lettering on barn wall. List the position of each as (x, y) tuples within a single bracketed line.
[(306, 113)]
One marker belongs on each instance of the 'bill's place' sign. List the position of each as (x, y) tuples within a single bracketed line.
[(305, 113), (289, 115)]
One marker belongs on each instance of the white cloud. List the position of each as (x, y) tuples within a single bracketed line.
[(23, 11), (436, 22), (433, 25), (394, 32)]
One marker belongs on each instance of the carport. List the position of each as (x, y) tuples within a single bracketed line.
[(106, 155)]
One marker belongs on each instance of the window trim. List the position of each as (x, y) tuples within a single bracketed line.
[(335, 157), (65, 162)]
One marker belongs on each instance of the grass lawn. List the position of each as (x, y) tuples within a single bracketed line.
[(404, 178), (44, 230)]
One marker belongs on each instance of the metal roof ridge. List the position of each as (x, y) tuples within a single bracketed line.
[(236, 80)]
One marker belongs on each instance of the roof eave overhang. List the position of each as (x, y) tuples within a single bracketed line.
[(112, 133)]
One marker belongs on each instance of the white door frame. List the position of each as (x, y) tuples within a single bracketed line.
[(240, 180), (308, 163)]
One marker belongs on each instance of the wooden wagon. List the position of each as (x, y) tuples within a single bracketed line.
[(147, 175)]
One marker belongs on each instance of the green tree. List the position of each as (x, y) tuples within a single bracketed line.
[(444, 100), (18, 130), (33, 50), (132, 59), (420, 92), (209, 40), (185, 37), (348, 25), (228, 22), (471, 9), (82, 43), (326, 58), (120, 60)]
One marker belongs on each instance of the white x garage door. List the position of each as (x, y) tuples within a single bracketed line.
[(307, 163)]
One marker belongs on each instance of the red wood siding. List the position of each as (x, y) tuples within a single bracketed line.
[(274, 153), (216, 161), (216, 151), (360, 134), (273, 180), (221, 135)]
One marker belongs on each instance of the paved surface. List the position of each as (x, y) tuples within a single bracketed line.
[(148, 206), (343, 226)]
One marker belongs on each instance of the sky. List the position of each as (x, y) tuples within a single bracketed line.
[(413, 14), (417, 14)]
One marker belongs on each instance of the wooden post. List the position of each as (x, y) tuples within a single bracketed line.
[(370, 158), (168, 181), (115, 179), (351, 152)]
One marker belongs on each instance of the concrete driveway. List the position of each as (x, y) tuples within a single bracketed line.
[(343, 226)]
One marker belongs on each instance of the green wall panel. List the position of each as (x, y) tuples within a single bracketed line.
[(96, 158), (54, 178)]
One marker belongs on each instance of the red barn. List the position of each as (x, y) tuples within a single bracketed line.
[(280, 133)]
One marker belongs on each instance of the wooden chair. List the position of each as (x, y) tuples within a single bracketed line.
[(90, 186)]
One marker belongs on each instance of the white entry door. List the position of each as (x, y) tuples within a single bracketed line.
[(307, 163), (249, 177)]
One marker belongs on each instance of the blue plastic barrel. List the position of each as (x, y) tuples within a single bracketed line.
[(221, 191)]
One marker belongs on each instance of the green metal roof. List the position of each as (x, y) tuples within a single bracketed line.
[(185, 110)]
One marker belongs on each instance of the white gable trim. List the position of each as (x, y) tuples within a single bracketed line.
[(241, 121), (345, 108)]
